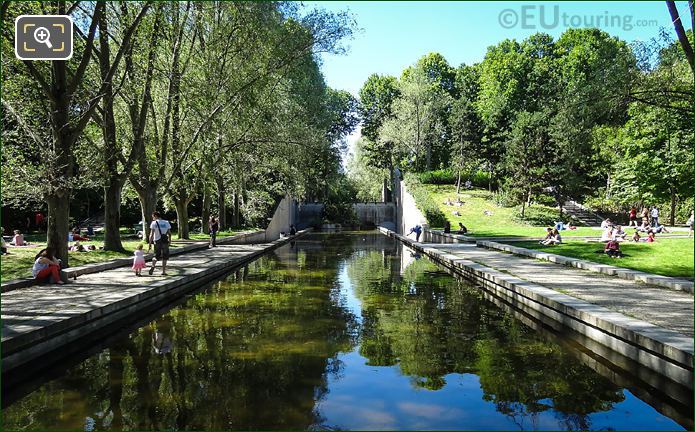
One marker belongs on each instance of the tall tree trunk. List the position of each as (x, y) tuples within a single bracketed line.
[(148, 204), (114, 180), (237, 210), (112, 216), (205, 217), (489, 177), (58, 223), (221, 204), (182, 217), (63, 140), (458, 181), (672, 219)]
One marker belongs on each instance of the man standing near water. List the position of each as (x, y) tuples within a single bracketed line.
[(160, 235), (417, 229)]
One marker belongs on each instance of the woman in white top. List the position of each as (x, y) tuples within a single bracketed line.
[(46, 266)]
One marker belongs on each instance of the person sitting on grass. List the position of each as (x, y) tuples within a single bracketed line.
[(462, 229), (3, 248), (77, 247), (651, 237), (607, 235), (548, 235), (448, 202), (46, 267), (607, 223), (561, 226), (553, 238), (612, 249), (645, 227), (636, 237), (18, 239), (659, 229), (619, 234)]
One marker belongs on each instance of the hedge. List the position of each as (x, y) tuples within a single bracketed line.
[(427, 205)]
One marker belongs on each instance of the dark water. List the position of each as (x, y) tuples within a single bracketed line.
[(340, 331)]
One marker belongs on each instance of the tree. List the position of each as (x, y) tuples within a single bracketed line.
[(415, 119), (72, 105), (465, 122), (685, 42), (526, 158)]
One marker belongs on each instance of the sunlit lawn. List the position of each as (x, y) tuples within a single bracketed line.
[(667, 256), (20, 260), (503, 221)]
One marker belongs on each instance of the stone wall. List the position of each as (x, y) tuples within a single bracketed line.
[(284, 216), (408, 215), (379, 214)]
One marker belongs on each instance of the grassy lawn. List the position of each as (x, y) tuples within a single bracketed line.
[(504, 221), (20, 260), (667, 256)]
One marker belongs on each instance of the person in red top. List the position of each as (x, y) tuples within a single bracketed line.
[(39, 220), (612, 249), (633, 216)]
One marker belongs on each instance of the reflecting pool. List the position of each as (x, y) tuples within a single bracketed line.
[(333, 331)]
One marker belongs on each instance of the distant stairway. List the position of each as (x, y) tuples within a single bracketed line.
[(581, 213)]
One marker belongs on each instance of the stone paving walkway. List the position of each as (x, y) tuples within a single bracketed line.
[(660, 306), (33, 308)]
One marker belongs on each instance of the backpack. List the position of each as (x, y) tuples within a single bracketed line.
[(162, 238)]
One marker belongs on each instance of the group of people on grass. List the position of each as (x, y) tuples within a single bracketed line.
[(17, 241)]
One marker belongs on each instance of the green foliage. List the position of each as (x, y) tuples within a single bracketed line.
[(376, 99), (366, 179), (427, 205), (443, 176)]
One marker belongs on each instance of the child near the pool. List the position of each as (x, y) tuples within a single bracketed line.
[(138, 260)]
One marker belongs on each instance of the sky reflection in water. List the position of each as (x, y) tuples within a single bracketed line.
[(335, 331)]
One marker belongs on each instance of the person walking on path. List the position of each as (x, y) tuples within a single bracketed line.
[(655, 216), (160, 236), (690, 224), (139, 260), (213, 227)]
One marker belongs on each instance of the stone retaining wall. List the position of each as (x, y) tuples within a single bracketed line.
[(663, 351)]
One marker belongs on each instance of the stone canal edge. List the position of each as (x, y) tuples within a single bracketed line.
[(664, 351), (26, 343)]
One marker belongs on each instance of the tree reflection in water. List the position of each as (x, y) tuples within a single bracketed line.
[(261, 349)]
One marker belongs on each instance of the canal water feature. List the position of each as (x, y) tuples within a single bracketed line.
[(336, 331)]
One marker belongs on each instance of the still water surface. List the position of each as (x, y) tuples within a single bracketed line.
[(335, 331)]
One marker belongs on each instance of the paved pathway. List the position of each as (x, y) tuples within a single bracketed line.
[(660, 306), (29, 309)]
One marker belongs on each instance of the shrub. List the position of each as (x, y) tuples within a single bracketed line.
[(502, 198), (480, 179), (443, 176), (427, 205)]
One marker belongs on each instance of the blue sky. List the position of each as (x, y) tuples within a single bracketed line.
[(394, 34)]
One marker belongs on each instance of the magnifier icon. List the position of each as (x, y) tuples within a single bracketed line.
[(42, 35)]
